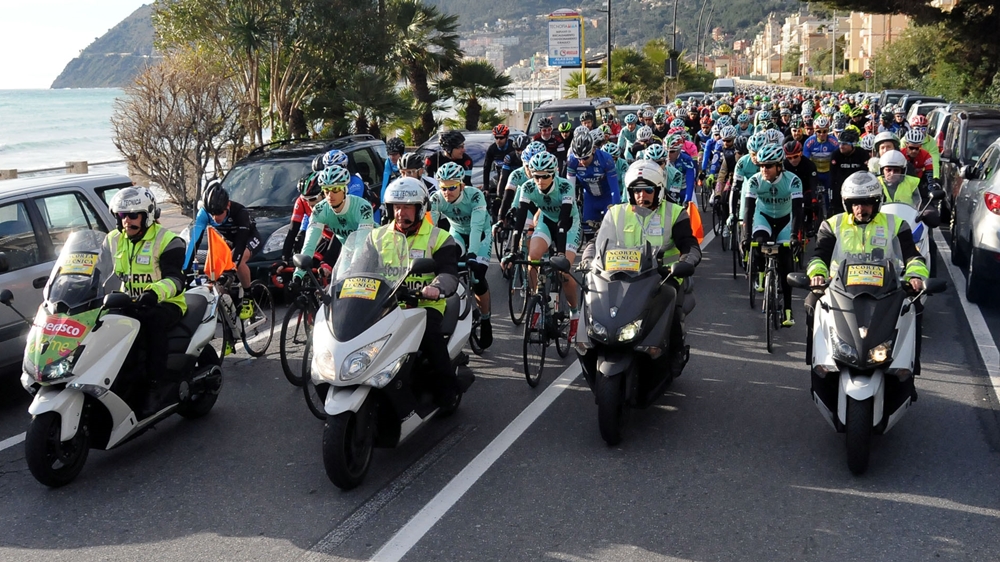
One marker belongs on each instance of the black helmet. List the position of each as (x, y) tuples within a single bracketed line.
[(215, 198), (585, 116), (849, 136), (317, 164), (741, 144), (452, 140), (583, 146), (309, 187), (544, 123), (395, 146), (520, 142), (411, 161)]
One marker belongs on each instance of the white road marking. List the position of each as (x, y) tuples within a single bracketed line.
[(421, 523), (974, 316), (12, 442)]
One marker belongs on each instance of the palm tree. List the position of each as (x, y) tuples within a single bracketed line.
[(424, 44), (594, 84), (471, 81), (370, 98), (488, 118)]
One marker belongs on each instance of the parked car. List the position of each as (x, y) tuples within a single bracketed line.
[(975, 227), (908, 100), (970, 130), (37, 215), (266, 179), (890, 97), (569, 110), (622, 110), (476, 144), (923, 108)]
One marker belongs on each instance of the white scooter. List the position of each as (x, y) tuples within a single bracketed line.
[(863, 349), (78, 348), (365, 353)]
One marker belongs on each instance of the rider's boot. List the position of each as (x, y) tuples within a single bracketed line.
[(485, 332)]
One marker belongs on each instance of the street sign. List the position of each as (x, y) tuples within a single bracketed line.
[(867, 74)]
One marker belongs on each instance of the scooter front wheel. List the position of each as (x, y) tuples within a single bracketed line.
[(348, 442), (611, 407), (54, 462), (859, 433)]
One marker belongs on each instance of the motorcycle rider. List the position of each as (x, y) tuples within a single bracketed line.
[(666, 226), (452, 150), (406, 200), (465, 209), (863, 195), (149, 259)]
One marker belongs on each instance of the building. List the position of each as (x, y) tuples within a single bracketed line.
[(867, 34)]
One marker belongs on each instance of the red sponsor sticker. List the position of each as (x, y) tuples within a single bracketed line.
[(65, 327)]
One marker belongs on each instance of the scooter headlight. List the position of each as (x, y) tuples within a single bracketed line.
[(630, 331), (843, 350), (385, 377), (359, 361), (598, 330), (880, 353)]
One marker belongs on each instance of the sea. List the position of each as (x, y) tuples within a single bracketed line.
[(47, 128)]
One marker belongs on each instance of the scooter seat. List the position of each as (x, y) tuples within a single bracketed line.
[(181, 333), (453, 306)]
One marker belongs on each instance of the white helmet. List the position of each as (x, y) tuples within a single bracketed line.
[(645, 173), (135, 200), (893, 159), (862, 186), (406, 191)]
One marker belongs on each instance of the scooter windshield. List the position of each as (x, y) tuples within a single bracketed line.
[(371, 266), (866, 245), (622, 252), (83, 274), (875, 278)]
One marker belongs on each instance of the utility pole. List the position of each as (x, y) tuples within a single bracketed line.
[(708, 29), (697, 54), (673, 22), (833, 52), (609, 48)]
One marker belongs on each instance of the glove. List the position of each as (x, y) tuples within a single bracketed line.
[(295, 284), (148, 298), (470, 257)]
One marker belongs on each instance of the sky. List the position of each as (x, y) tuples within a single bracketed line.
[(40, 36)]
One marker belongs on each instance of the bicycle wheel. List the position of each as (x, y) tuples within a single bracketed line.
[(294, 328), (563, 343), (751, 277), (474, 335), (734, 247), (259, 329), (315, 395), (769, 301), (717, 221), (517, 293), (534, 344)]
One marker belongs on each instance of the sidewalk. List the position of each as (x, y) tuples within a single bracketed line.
[(172, 219)]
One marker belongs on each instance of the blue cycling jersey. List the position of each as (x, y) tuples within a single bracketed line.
[(686, 166), (600, 183)]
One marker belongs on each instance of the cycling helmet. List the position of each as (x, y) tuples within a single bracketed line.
[(892, 159), (743, 118), (645, 173), (861, 187), (774, 136), (566, 126), (582, 146), (613, 149), (607, 117), (630, 118), (214, 200), (918, 121), (334, 175), (770, 154), (677, 123), (659, 118), (728, 132), (716, 130), (886, 136), (706, 120), (317, 163), (544, 162), (520, 142), (785, 111), (137, 199), (605, 130), (915, 136), (673, 142), (822, 123), (783, 104), (724, 121), (406, 191), (501, 130), (335, 158), (868, 143), (793, 148), (411, 161), (647, 114), (796, 122), (544, 123), (725, 109), (756, 142), (886, 115), (451, 140), (849, 137), (656, 153), (899, 110), (395, 146), (309, 186), (586, 116), (764, 116), (450, 171)]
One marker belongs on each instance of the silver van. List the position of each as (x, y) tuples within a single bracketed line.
[(37, 215)]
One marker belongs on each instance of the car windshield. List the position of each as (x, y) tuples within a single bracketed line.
[(474, 148), (979, 136), (267, 183), (557, 116)]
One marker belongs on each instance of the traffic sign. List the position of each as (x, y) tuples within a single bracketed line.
[(867, 74)]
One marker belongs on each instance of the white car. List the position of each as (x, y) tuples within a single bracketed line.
[(975, 226)]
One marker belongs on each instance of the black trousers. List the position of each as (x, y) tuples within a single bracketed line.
[(154, 323), (442, 375)]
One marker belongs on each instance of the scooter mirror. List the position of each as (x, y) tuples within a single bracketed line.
[(931, 286), (422, 266), (302, 261), (117, 300), (560, 263), (798, 280), (937, 195), (681, 270), (6, 297)]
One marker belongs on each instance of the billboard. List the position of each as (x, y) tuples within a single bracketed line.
[(564, 41)]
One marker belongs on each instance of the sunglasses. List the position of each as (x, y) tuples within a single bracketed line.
[(131, 216), (768, 166), (502, 138), (334, 188), (450, 186), (312, 200), (646, 190), (821, 131), (543, 176)]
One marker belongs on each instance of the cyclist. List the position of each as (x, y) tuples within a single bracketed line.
[(704, 135), (234, 223), (918, 158), (339, 212), (846, 161), (339, 158), (558, 225), (743, 127), (773, 213), (660, 126), (679, 159), (566, 138), (919, 123), (805, 170), (899, 127), (395, 148), (465, 208), (452, 150), (511, 162), (310, 194), (518, 177), (612, 123), (820, 148), (898, 187), (587, 120), (628, 133), (665, 225), (643, 139), (599, 176), (621, 166), (493, 164)]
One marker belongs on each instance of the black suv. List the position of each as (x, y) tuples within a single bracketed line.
[(266, 182), (971, 129), (563, 110)]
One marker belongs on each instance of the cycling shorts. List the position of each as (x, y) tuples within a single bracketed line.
[(778, 229), (545, 228)]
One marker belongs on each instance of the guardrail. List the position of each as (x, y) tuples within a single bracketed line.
[(78, 167)]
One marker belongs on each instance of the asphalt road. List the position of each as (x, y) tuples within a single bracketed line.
[(734, 463)]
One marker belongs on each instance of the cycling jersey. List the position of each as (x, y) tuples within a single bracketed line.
[(557, 207), (554, 146), (702, 139), (922, 163), (621, 166), (745, 132), (686, 166), (820, 152), (434, 162), (772, 200), (467, 216), (626, 137), (493, 164), (745, 168), (238, 228), (600, 183), (355, 214)]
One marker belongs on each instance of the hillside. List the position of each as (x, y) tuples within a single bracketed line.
[(115, 57)]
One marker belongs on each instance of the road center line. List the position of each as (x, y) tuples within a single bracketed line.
[(421, 523), (11, 442), (974, 316)]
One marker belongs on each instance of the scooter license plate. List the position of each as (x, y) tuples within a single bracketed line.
[(622, 260), (359, 288), (870, 275)]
